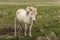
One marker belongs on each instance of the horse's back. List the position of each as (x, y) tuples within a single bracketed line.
[(21, 14)]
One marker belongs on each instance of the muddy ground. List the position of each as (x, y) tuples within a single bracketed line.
[(8, 31)]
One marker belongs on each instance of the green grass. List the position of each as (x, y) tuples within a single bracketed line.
[(47, 20)]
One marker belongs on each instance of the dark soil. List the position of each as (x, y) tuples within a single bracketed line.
[(9, 31)]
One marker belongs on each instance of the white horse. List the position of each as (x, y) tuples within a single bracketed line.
[(26, 17)]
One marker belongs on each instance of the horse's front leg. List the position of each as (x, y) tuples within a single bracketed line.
[(30, 29), (25, 29)]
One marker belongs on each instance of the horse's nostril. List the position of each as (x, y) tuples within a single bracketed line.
[(33, 21)]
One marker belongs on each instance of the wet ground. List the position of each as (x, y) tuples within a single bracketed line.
[(8, 31)]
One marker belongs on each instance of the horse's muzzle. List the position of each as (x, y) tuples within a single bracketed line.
[(34, 21)]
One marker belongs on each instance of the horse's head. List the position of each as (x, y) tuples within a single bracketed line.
[(32, 12)]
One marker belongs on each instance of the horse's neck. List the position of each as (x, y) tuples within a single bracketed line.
[(28, 17)]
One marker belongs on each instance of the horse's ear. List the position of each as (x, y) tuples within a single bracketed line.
[(27, 8), (27, 12)]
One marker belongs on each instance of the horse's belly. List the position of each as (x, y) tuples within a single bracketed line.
[(21, 18)]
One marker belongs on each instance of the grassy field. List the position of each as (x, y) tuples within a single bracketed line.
[(30, 2), (48, 20)]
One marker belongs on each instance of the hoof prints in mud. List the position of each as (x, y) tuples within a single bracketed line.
[(9, 31)]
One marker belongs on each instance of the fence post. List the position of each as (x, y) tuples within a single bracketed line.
[(15, 27)]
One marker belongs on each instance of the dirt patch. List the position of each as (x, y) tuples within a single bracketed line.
[(9, 31)]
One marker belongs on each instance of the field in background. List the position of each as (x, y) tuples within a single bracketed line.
[(31, 2), (48, 20)]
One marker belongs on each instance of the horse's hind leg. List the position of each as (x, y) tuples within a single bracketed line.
[(19, 31)]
